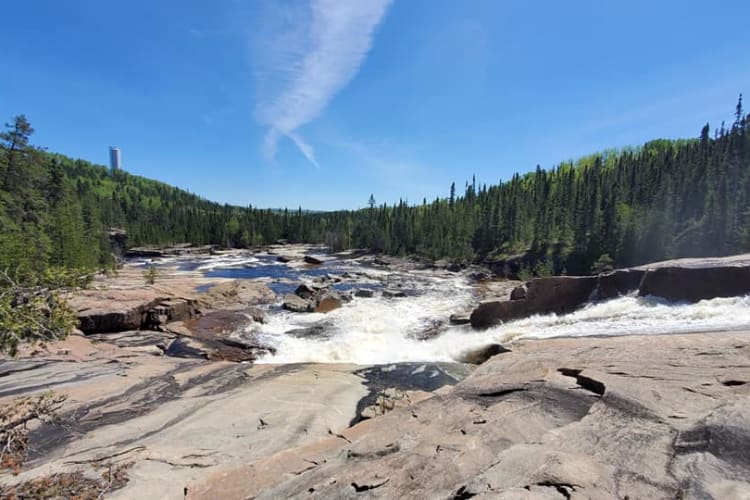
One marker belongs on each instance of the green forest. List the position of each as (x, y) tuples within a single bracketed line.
[(665, 199)]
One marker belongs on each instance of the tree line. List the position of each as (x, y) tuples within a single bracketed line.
[(665, 199)]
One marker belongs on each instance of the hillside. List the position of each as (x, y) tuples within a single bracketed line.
[(663, 200)]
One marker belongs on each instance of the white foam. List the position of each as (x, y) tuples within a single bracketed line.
[(377, 331)]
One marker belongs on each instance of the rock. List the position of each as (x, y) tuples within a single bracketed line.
[(388, 400), (295, 303), (392, 294), (283, 258), (305, 291), (220, 335), (327, 302), (558, 294), (480, 276), (238, 294), (493, 312), (258, 315), (482, 354), (118, 241), (364, 293), (441, 264), (381, 261), (186, 347), (454, 267), (616, 283), (320, 330), (103, 311), (518, 293), (462, 318), (692, 284), (431, 330), (615, 417), (143, 252), (313, 260)]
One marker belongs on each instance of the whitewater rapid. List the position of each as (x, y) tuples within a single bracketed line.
[(382, 330), (374, 331)]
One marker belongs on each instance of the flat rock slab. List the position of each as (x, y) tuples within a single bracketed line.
[(638, 417), (175, 419)]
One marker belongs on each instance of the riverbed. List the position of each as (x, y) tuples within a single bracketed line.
[(415, 327)]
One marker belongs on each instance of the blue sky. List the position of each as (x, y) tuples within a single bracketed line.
[(321, 102)]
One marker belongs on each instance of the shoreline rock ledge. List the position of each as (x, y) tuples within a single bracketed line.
[(620, 417), (682, 280)]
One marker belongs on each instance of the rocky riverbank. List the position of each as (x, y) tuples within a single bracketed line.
[(636, 417), (161, 382)]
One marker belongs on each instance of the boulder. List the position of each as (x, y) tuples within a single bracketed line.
[(364, 293), (305, 291), (283, 259), (327, 302), (493, 312), (295, 303), (313, 260), (556, 294), (559, 294), (518, 293), (237, 294)]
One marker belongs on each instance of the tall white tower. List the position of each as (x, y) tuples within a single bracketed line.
[(115, 158)]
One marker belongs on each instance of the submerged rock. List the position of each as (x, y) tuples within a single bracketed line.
[(364, 293), (462, 318), (313, 260), (393, 294)]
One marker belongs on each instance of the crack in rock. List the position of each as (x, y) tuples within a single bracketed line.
[(360, 488), (587, 383)]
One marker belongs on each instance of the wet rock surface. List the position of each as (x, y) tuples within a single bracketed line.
[(683, 280)]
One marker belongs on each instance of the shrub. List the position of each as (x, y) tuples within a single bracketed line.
[(33, 309), (150, 275)]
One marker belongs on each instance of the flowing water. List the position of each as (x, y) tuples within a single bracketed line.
[(386, 330)]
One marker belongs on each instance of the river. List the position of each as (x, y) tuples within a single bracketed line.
[(380, 330)]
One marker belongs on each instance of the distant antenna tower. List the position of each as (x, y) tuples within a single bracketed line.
[(115, 158)]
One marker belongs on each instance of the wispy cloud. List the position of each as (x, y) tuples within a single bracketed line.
[(310, 59)]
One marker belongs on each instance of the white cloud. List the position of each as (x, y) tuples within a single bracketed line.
[(312, 57)]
